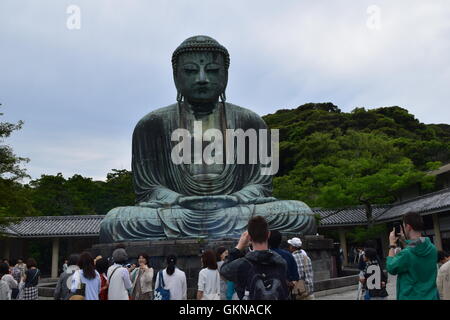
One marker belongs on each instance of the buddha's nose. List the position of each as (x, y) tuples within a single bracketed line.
[(202, 78)]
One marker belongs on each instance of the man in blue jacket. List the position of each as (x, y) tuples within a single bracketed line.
[(292, 270)]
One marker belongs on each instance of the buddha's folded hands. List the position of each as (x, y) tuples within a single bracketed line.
[(208, 202)]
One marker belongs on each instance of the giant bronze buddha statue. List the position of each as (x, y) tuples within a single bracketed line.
[(198, 200)]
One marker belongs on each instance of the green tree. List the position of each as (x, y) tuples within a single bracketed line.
[(51, 196), (117, 191), (13, 200)]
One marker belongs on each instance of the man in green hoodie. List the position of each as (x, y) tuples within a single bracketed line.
[(415, 265)]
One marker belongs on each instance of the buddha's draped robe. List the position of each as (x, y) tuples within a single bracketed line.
[(158, 182)]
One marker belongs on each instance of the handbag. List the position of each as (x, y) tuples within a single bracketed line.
[(299, 291), (161, 293), (215, 295), (81, 289)]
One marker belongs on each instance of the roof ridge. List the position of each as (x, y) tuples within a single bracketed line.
[(352, 207), (428, 195), (63, 217), (422, 196)]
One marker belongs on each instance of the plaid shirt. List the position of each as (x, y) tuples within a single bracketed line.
[(305, 270)]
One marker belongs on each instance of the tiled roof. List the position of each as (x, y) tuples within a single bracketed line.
[(432, 202), (57, 226), (348, 216)]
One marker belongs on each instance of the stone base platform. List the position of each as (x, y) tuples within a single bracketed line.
[(188, 253)]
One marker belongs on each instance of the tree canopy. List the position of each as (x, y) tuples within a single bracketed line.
[(329, 158)]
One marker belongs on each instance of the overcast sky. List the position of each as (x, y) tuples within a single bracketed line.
[(81, 91)]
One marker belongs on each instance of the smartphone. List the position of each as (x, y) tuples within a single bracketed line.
[(398, 228)]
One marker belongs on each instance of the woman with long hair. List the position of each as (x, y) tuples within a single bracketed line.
[(174, 280), (102, 265), (209, 278), (30, 281), (86, 277), (142, 279)]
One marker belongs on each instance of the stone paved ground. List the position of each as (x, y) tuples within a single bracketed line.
[(350, 293)]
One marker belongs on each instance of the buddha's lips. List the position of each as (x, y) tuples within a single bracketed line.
[(203, 89)]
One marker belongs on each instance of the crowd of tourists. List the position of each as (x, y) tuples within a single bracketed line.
[(19, 281), (256, 269), (288, 273)]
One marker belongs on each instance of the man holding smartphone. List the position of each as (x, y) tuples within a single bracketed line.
[(415, 265), (259, 274)]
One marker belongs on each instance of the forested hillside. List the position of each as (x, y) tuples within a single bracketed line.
[(330, 158)]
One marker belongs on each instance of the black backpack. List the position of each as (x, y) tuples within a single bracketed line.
[(266, 282)]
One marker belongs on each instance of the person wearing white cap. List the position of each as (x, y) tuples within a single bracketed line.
[(297, 243), (304, 266)]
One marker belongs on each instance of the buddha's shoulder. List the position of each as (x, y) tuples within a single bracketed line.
[(243, 112), (159, 114)]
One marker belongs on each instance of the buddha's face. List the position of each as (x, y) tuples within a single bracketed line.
[(201, 76)]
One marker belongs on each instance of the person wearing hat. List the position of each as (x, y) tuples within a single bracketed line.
[(304, 265), (119, 277)]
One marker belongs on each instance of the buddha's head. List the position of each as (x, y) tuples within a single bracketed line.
[(200, 68)]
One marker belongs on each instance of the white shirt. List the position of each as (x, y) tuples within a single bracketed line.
[(119, 283), (209, 281), (12, 283), (5, 291), (175, 283)]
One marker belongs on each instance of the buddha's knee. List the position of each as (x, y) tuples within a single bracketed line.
[(288, 216), (130, 223)]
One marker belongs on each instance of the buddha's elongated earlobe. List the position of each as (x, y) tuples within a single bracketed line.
[(179, 96), (223, 97)]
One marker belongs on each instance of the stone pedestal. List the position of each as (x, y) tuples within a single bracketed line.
[(188, 254)]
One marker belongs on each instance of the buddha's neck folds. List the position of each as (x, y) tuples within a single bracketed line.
[(201, 109)]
